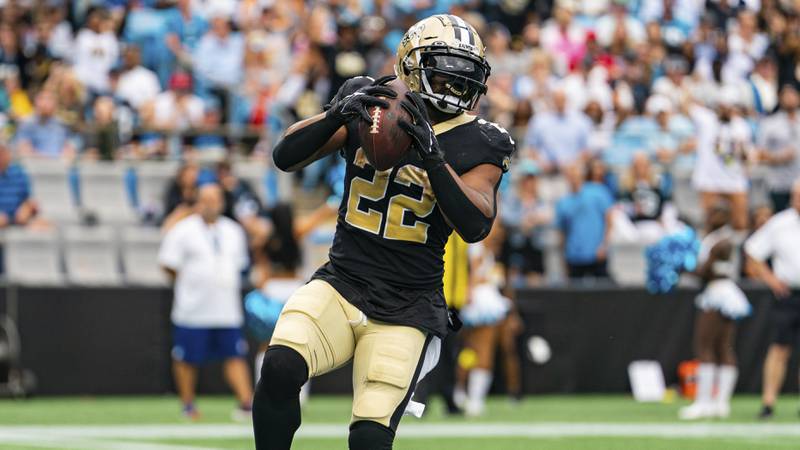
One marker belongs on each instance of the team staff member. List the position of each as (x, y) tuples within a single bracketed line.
[(379, 299), (779, 239), (205, 254)]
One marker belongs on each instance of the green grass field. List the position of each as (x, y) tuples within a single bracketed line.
[(546, 422)]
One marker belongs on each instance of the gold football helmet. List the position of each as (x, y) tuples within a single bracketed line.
[(443, 59)]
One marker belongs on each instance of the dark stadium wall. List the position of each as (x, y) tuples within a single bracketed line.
[(117, 341), (594, 335)]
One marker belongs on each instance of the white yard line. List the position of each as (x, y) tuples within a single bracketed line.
[(73, 443), (205, 431)]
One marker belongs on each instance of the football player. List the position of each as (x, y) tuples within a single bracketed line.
[(379, 300)]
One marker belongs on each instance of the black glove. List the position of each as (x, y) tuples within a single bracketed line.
[(421, 132), (350, 86), (354, 105)]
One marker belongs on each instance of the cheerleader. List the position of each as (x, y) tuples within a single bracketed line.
[(277, 271), (720, 305), (482, 316)]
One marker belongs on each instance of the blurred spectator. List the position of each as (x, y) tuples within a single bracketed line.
[(242, 205), (786, 42), (525, 218), (537, 85), (17, 104), (746, 45), (677, 18), (646, 213), (16, 205), (583, 218), (186, 27), (205, 254), (560, 137), (210, 138), (11, 55), (724, 143), (137, 85), (674, 85), (498, 51), (563, 38), (72, 95), (763, 87), (617, 26), (40, 59), (43, 134), (344, 56), (597, 172), (241, 200), (673, 137), (102, 138), (779, 147), (218, 61), (602, 128), (96, 51), (57, 33), (175, 109), (180, 195)]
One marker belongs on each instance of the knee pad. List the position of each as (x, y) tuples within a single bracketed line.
[(283, 373), (368, 435)]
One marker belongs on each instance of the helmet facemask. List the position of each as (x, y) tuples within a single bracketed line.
[(452, 81)]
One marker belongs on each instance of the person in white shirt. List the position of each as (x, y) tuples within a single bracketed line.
[(205, 255), (96, 51), (176, 109), (724, 144), (779, 239), (137, 84), (779, 147)]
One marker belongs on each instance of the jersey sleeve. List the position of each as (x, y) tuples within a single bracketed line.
[(493, 145)]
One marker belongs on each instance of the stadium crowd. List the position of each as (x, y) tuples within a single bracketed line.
[(612, 102)]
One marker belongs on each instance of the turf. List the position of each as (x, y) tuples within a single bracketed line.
[(593, 443), (165, 410)]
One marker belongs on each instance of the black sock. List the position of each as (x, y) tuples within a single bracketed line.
[(276, 404)]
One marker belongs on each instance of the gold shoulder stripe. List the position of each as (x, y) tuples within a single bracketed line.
[(447, 125)]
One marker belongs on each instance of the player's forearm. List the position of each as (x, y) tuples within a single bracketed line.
[(305, 142), (469, 211)]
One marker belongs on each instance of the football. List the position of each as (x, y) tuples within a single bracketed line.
[(383, 141)]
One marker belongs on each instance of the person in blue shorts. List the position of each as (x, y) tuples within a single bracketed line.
[(205, 254)]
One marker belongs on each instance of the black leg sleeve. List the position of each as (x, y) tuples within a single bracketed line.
[(297, 147), (367, 435), (276, 404), (463, 215)]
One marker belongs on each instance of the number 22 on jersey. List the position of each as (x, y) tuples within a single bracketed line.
[(399, 204)]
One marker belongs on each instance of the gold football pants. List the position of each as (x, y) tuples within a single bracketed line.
[(328, 331)]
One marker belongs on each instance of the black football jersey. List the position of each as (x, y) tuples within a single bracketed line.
[(386, 256)]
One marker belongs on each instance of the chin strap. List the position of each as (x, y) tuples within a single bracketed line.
[(438, 100)]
